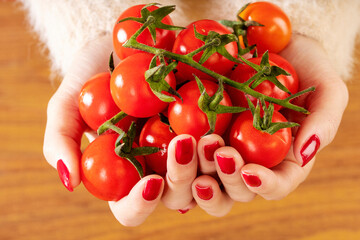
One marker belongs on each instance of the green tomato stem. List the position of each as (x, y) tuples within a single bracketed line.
[(187, 59)]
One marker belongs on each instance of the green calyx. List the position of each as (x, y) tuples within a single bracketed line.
[(239, 28), (155, 76), (265, 123), (214, 42), (154, 19), (265, 72), (211, 105), (124, 143)]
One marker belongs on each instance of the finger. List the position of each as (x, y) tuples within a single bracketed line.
[(318, 129), (188, 207), (228, 165), (209, 196), (64, 127), (181, 172), (62, 138), (142, 200), (326, 104), (275, 183), (206, 147)]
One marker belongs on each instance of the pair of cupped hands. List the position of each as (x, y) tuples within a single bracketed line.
[(193, 177)]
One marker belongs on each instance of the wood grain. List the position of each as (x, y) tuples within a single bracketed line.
[(35, 205)]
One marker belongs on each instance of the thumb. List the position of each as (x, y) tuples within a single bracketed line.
[(326, 104), (62, 139)]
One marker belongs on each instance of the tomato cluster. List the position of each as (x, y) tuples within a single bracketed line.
[(166, 93)]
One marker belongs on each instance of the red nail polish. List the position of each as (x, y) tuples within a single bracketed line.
[(152, 189), (210, 149), (226, 164), (205, 193), (64, 174), (184, 151), (309, 149), (251, 180), (183, 211)]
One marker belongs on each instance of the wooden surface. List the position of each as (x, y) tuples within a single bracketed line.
[(35, 205)]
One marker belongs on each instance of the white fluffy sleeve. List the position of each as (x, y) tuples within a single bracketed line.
[(65, 25)]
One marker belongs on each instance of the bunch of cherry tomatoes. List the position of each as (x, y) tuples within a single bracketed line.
[(109, 175)]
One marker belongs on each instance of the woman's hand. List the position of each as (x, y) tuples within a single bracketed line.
[(64, 130), (242, 182)]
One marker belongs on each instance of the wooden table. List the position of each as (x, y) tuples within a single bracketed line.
[(35, 205)]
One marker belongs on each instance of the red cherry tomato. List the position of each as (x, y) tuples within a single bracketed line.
[(186, 117), (260, 147), (292, 80), (276, 32), (186, 42), (96, 104), (130, 91), (155, 133), (104, 174), (124, 30), (242, 73)]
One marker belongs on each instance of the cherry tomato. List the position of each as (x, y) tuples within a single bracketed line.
[(186, 117), (257, 146), (293, 80), (124, 30), (104, 174), (131, 92), (96, 104), (242, 73), (186, 42), (155, 133), (276, 32)]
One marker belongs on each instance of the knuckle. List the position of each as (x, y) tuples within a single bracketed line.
[(179, 180), (242, 197)]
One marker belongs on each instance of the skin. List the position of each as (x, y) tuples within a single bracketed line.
[(64, 130)]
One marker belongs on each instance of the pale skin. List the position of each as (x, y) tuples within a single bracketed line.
[(178, 189)]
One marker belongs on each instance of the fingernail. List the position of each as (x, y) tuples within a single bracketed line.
[(226, 164), (152, 189), (184, 151), (204, 192), (251, 180), (309, 149), (183, 211), (64, 174), (210, 149)]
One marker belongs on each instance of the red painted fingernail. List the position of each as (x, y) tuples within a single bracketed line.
[(183, 211), (152, 189), (309, 149), (205, 193), (210, 149), (64, 174), (226, 164), (251, 180), (184, 151)]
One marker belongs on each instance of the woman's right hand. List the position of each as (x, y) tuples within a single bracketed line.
[(62, 142)]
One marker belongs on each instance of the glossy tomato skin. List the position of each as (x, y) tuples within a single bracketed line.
[(276, 32), (104, 174), (293, 79), (124, 30), (130, 91), (260, 147), (242, 73), (186, 42), (96, 104), (155, 133), (186, 117)]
